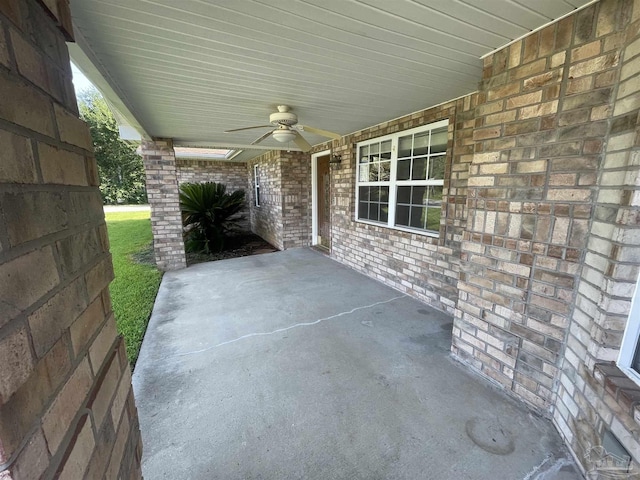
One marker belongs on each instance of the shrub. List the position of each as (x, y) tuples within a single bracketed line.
[(209, 214)]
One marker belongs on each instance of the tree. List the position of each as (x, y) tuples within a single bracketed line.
[(119, 166)]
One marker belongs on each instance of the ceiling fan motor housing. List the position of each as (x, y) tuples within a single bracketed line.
[(283, 118)]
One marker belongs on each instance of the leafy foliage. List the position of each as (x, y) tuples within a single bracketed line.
[(209, 213), (119, 166)]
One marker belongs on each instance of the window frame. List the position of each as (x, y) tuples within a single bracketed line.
[(393, 182), (256, 186), (631, 339)]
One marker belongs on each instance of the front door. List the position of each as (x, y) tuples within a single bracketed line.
[(323, 213)]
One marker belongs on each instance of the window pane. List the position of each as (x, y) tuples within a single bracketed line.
[(436, 167), (435, 196), (384, 212), (433, 219), (419, 171), (402, 215), (419, 196), (421, 144), (374, 149), (417, 217), (385, 171), (384, 194), (374, 211), (385, 147), (364, 153), (404, 195), (439, 140), (374, 194), (373, 172), (404, 146), (363, 210), (404, 169), (364, 172), (363, 194)]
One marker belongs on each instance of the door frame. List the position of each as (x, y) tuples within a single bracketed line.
[(314, 194)]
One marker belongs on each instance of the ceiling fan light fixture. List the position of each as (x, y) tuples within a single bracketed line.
[(284, 135)]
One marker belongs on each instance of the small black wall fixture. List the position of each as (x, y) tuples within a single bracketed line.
[(336, 159)]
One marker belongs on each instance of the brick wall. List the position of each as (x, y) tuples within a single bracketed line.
[(66, 402), (284, 215), (549, 255), (296, 199), (162, 190), (421, 266), (232, 174), (593, 398), (266, 219)]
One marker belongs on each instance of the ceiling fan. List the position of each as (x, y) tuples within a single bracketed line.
[(287, 129)]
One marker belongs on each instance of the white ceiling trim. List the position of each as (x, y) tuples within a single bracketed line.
[(542, 27), (190, 70)]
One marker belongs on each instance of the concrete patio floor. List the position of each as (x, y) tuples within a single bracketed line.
[(288, 365)]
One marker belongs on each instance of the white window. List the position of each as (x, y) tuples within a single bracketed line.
[(629, 359), (400, 178), (256, 185)]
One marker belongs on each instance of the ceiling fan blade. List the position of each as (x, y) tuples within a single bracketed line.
[(319, 131), (302, 143), (247, 128), (261, 138)]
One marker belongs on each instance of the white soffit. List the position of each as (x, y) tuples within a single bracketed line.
[(190, 69)]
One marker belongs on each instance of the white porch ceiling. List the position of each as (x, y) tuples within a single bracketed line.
[(190, 69)]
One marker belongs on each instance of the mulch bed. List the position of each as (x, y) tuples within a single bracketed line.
[(239, 245)]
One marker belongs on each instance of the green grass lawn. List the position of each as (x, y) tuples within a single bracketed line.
[(137, 280)]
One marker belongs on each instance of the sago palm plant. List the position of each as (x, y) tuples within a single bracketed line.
[(208, 214)]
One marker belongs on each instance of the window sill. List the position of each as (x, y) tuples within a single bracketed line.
[(399, 229), (624, 390)]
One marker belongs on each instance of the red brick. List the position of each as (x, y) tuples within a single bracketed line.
[(102, 345), (26, 405), (52, 319), (61, 166), (64, 408), (16, 159), (28, 107), (33, 460), (17, 362), (30, 62), (594, 65), (547, 40), (586, 51), (564, 33), (528, 70), (75, 464), (526, 99), (118, 448), (72, 130), (530, 49), (99, 277), (105, 389), (87, 325), (484, 133)]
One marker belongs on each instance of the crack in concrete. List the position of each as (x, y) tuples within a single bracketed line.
[(284, 329)]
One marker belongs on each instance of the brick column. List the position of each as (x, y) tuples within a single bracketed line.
[(66, 401), (541, 128), (162, 190)]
